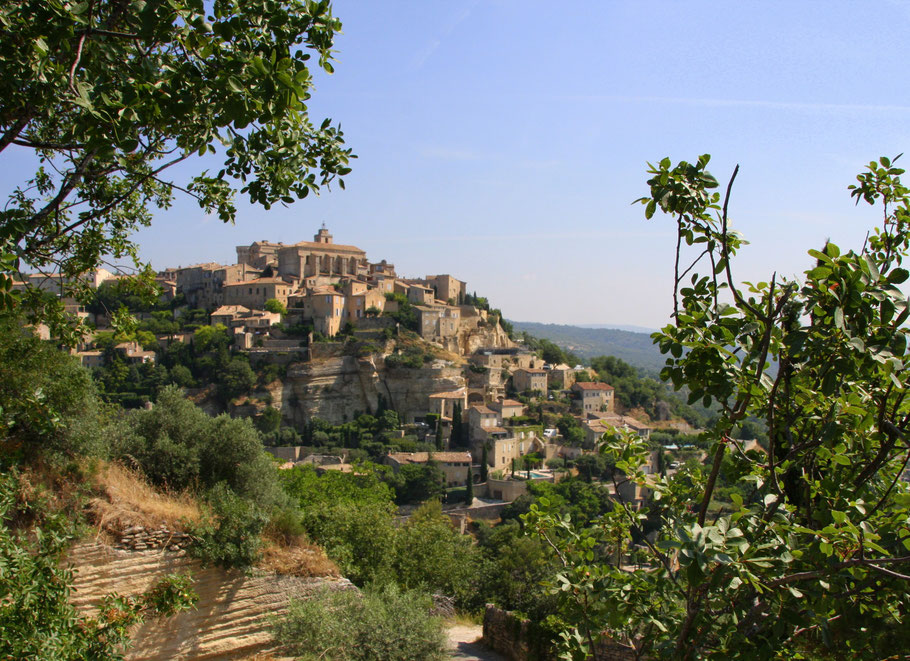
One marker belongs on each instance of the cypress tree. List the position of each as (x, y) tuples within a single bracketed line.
[(469, 491), (439, 436), (483, 464), (457, 428)]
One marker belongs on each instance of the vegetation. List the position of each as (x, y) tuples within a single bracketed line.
[(381, 623), (809, 564), (101, 95)]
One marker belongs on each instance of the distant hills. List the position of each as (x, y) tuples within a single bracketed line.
[(636, 348)]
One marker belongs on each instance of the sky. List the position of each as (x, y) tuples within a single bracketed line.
[(504, 141)]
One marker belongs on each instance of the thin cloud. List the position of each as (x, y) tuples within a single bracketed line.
[(743, 103), (433, 45)]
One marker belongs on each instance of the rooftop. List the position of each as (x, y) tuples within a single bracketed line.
[(590, 385)]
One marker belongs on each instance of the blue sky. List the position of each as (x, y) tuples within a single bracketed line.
[(503, 141)]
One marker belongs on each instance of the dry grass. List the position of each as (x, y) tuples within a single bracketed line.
[(296, 558), (125, 498)]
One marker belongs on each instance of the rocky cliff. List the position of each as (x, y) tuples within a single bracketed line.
[(337, 389), (231, 620)]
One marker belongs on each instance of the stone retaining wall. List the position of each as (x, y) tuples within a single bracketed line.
[(519, 640)]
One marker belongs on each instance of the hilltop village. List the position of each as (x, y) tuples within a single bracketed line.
[(347, 337)]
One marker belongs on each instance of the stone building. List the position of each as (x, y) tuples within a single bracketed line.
[(529, 380), (321, 256), (593, 397), (254, 293), (447, 288), (456, 466)]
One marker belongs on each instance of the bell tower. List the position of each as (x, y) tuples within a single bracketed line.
[(322, 236)]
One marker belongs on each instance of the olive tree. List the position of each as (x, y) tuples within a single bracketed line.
[(110, 95), (812, 561)]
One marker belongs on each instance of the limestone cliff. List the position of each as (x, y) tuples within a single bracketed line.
[(231, 620), (337, 389)]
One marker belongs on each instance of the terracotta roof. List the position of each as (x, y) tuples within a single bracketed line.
[(483, 410), (424, 457), (531, 371), (589, 385), (257, 281), (327, 247), (621, 421), (230, 309), (454, 394), (510, 402)]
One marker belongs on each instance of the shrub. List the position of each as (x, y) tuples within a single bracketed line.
[(385, 624), (230, 536), (38, 620)]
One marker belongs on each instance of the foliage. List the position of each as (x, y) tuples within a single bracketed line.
[(48, 403), (276, 306), (179, 446), (229, 535), (406, 315), (432, 555), (381, 624), (37, 620), (417, 483), (350, 516), (513, 570), (110, 95), (810, 563)]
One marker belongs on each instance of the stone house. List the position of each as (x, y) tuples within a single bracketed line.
[(254, 293), (437, 321), (507, 408), (447, 288), (443, 403), (239, 317), (560, 377), (259, 255), (501, 451), (456, 466), (420, 295), (593, 397), (480, 420), (326, 308), (134, 353), (531, 380)]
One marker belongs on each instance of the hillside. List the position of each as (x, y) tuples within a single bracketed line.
[(634, 348)]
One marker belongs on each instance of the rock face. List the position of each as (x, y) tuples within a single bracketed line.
[(337, 389), (231, 617)]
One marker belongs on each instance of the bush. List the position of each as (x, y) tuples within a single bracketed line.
[(230, 535), (379, 625), (38, 620)]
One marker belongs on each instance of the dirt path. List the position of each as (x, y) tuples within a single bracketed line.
[(462, 642)]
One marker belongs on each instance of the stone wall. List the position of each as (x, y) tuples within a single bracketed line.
[(519, 640)]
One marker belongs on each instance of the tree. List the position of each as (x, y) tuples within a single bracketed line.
[(439, 442), (811, 563), (112, 95), (469, 489), (484, 458), (276, 306), (382, 622), (458, 433)]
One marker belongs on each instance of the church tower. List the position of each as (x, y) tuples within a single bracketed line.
[(322, 236)]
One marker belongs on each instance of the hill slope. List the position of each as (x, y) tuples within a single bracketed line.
[(634, 348)]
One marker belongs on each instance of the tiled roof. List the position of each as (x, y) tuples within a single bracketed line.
[(257, 281), (424, 457), (483, 410), (454, 394), (327, 247), (589, 385)]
